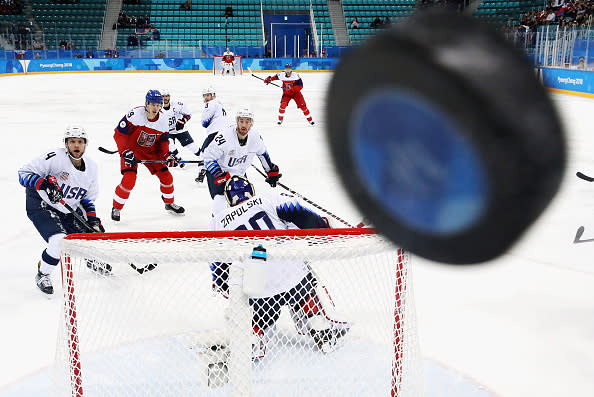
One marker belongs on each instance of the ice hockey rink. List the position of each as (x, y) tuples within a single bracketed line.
[(521, 325)]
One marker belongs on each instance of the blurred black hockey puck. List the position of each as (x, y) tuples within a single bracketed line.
[(444, 138)]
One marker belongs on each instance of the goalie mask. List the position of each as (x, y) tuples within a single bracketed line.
[(238, 189)]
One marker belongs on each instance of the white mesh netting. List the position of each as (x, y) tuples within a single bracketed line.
[(347, 327)]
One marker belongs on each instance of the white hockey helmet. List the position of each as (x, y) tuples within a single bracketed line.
[(165, 91), (209, 90), (245, 112), (75, 131)]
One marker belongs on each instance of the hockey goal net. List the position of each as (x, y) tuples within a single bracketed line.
[(155, 326), (218, 67)]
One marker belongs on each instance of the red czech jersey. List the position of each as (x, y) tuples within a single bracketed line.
[(148, 139), (228, 58), (291, 84)]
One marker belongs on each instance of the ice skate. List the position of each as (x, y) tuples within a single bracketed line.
[(328, 339), (115, 214), (201, 176), (44, 282), (177, 209)]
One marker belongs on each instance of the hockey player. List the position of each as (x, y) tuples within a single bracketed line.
[(62, 175), (142, 134), (292, 85), (214, 119), (178, 115), (228, 62), (231, 151), (289, 283)]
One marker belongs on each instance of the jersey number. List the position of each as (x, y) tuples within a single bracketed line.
[(260, 216), (219, 140), (50, 155)]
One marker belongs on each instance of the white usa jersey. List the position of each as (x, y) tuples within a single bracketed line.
[(225, 151), (214, 117), (176, 111), (263, 213), (80, 188)]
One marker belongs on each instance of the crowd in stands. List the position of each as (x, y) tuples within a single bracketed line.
[(144, 30), (18, 34), (379, 23), (11, 7), (559, 12), (132, 21)]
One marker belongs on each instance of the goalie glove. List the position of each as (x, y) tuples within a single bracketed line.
[(181, 123), (273, 175), (51, 187), (95, 223), (267, 80)]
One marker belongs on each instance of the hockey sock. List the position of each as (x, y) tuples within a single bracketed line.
[(307, 115), (123, 190), (50, 257), (166, 180), (281, 114), (193, 147)]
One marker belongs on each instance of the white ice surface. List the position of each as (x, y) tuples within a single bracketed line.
[(522, 325)]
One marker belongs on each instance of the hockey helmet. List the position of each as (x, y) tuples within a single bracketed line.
[(238, 189), (75, 131), (209, 90), (165, 92), (245, 112), (154, 96), (288, 66)]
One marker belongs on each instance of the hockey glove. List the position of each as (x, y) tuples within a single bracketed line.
[(95, 223), (51, 187), (273, 175), (221, 178), (181, 123), (129, 158), (267, 80), (172, 161)]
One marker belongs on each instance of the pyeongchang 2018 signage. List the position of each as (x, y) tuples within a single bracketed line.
[(580, 82)]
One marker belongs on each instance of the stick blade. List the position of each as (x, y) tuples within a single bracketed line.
[(578, 235), (584, 177)]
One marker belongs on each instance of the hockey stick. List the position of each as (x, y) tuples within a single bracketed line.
[(102, 149), (199, 162), (78, 216), (305, 199), (260, 78), (584, 177), (578, 235), (140, 270)]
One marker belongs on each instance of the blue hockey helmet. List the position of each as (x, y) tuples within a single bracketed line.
[(154, 96), (238, 189), (288, 66)]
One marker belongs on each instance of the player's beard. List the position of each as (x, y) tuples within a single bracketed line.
[(242, 132), (76, 154)]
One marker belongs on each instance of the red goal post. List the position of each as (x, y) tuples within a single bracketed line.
[(163, 331), (217, 65)]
